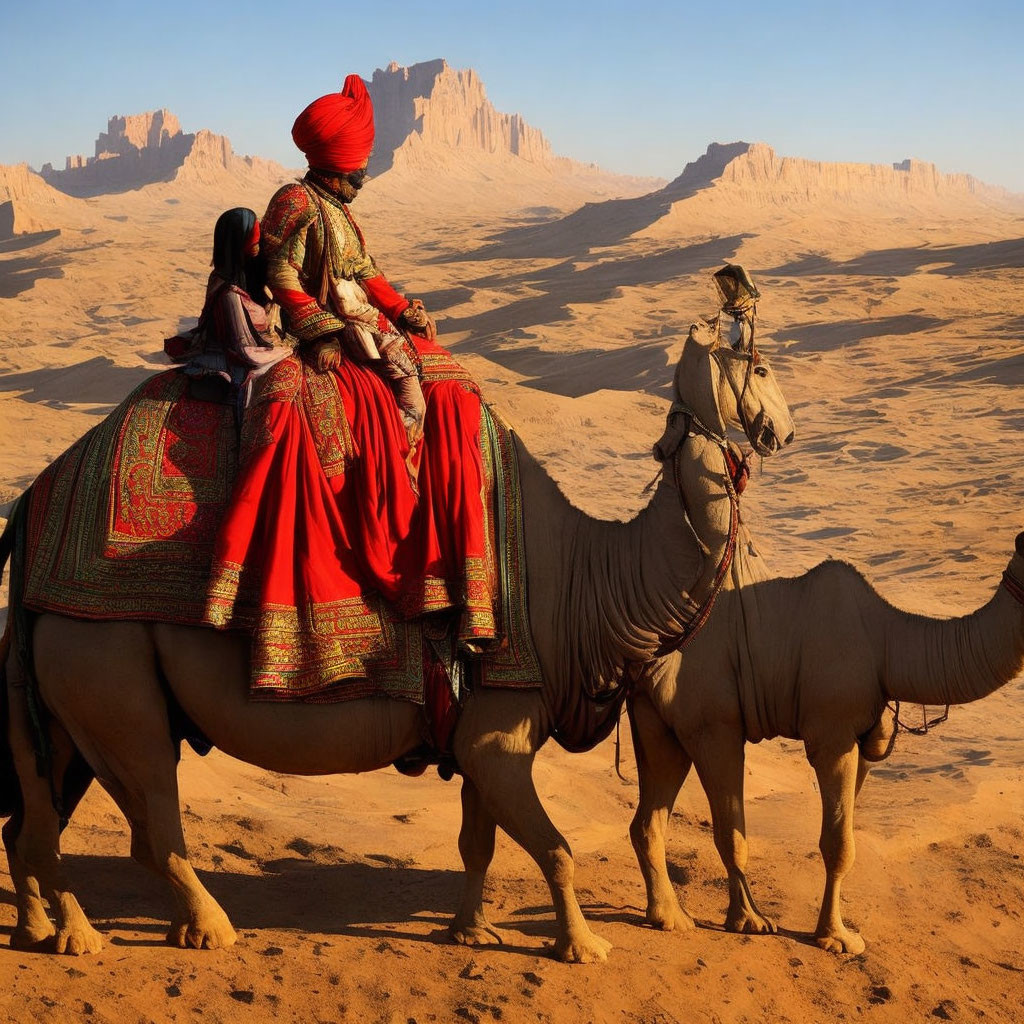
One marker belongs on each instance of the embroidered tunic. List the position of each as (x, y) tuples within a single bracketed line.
[(294, 242)]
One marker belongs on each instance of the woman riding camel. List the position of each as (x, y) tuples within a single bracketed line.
[(234, 338), (324, 516)]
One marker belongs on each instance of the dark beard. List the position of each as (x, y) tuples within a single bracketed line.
[(346, 191), (343, 186)]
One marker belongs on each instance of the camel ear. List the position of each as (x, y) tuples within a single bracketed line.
[(1020, 544)]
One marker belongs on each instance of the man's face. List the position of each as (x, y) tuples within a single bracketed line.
[(345, 185), (350, 183)]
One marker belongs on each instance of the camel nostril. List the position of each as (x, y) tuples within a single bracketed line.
[(789, 439)]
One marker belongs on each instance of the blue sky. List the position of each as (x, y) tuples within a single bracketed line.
[(637, 87)]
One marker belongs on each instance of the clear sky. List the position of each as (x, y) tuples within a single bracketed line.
[(637, 86)]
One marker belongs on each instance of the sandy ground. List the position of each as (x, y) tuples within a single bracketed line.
[(894, 325)]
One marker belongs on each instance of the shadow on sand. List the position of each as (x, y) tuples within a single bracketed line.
[(638, 367), (97, 381), (957, 261), (350, 899), (828, 335), (29, 240), (605, 223), (20, 274)]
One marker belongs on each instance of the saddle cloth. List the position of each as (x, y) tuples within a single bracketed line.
[(123, 526)]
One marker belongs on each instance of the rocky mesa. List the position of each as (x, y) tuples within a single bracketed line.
[(142, 149), (431, 115), (431, 106)]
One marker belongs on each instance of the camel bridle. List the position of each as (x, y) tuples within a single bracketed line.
[(751, 358), (749, 353)]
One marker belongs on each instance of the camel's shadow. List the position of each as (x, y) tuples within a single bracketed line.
[(348, 899), (344, 899)]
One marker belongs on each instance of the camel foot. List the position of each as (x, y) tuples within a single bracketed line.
[(78, 939), (477, 933), (670, 918), (585, 947), (843, 941), (749, 922), (210, 933), (34, 938)]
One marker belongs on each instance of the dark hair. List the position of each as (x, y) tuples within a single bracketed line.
[(230, 261)]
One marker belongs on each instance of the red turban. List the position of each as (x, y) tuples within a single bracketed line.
[(336, 131)]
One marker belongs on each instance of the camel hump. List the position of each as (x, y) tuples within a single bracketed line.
[(1020, 544)]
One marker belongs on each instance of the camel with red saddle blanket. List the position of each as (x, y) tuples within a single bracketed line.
[(604, 598)]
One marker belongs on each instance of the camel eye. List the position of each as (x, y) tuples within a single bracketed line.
[(761, 371)]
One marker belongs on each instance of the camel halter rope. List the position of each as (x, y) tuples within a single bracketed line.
[(695, 424), (752, 356), (697, 620), (1015, 589)]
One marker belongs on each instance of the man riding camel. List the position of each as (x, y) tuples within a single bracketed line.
[(325, 519), (334, 298)]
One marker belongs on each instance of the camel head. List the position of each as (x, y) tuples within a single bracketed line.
[(730, 387)]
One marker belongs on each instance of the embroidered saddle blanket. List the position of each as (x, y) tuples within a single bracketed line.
[(123, 526)]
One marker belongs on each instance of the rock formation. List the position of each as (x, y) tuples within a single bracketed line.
[(735, 185), (431, 111), (28, 205), (761, 173), (141, 149)]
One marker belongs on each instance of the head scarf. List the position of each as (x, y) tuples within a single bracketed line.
[(336, 131)]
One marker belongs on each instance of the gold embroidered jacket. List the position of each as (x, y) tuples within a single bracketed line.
[(299, 247)]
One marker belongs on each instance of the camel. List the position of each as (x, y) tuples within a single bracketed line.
[(818, 657), (603, 597)]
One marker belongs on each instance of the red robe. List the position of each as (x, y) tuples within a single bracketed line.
[(324, 521)]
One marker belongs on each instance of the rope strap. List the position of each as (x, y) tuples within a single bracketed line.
[(916, 730), (1016, 590)]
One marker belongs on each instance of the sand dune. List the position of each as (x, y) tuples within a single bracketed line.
[(896, 335)]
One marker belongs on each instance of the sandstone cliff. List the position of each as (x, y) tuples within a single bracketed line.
[(431, 115), (142, 149), (761, 174), (431, 106), (736, 187), (29, 205)]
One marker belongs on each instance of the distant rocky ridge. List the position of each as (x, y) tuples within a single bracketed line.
[(142, 149), (760, 172), (27, 204), (742, 181)]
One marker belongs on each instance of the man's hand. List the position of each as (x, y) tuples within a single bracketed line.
[(327, 352), (418, 320)]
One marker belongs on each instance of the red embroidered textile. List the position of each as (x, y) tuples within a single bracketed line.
[(320, 523), (336, 131), (381, 293), (324, 522), (121, 526), (297, 242)]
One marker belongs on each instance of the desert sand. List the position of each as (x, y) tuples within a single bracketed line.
[(891, 311)]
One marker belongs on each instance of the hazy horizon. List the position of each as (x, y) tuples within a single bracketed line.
[(635, 95)]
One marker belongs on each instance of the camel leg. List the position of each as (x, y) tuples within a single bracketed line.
[(134, 758), (147, 794), (476, 845), (863, 768), (718, 758), (662, 765), (837, 779), (32, 841), (495, 745)]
